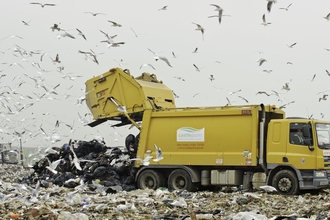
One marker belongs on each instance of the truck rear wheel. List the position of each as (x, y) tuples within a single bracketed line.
[(180, 180), (150, 179), (286, 182)]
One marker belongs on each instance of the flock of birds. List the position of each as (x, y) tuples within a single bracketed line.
[(38, 85)]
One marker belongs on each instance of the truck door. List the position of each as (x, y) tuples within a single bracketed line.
[(300, 147)]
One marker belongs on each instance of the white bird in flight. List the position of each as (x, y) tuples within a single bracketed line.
[(145, 161), (261, 61), (147, 64), (42, 5), (65, 34), (291, 46), (286, 87), (287, 8), (157, 57), (200, 28), (220, 10), (75, 159), (53, 165), (81, 33), (197, 69), (159, 154), (264, 22), (327, 17), (163, 8), (94, 14), (270, 4), (114, 24)]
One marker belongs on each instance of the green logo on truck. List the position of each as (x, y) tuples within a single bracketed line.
[(189, 134)]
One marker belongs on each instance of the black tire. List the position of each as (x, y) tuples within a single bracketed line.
[(286, 182), (180, 180), (150, 179)]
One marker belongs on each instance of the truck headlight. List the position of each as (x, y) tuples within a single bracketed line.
[(320, 174)]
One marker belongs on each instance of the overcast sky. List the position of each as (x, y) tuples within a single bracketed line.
[(229, 51)]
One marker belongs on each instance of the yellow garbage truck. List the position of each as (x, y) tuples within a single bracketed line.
[(207, 147)]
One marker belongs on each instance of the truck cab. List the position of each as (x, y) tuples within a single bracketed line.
[(298, 165)]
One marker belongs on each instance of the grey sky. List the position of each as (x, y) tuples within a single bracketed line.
[(237, 43)]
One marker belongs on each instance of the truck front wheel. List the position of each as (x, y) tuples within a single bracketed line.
[(150, 179), (180, 180), (286, 182)]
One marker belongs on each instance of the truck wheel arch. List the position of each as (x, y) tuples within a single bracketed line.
[(288, 171)]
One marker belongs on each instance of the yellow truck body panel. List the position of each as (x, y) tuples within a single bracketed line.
[(218, 136)]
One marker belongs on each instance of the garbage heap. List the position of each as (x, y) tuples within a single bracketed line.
[(86, 162)]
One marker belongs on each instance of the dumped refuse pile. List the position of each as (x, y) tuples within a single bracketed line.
[(84, 162)]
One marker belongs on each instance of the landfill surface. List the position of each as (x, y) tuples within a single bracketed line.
[(88, 180)]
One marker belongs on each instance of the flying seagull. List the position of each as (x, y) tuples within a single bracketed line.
[(291, 46), (263, 92), (107, 35), (174, 56), (75, 159), (147, 64), (220, 10), (42, 5), (81, 33), (57, 59), (175, 95), (53, 165), (270, 4), (197, 69), (12, 36), (261, 61), (159, 154), (160, 58), (286, 87), (327, 72), (313, 77), (200, 28), (267, 71), (327, 17), (26, 23), (94, 14), (232, 93), (163, 8), (180, 78), (65, 34), (324, 97), (55, 27), (114, 24), (264, 22), (111, 43), (287, 8), (243, 99), (145, 161)]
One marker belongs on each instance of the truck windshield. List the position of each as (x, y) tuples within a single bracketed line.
[(323, 135)]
